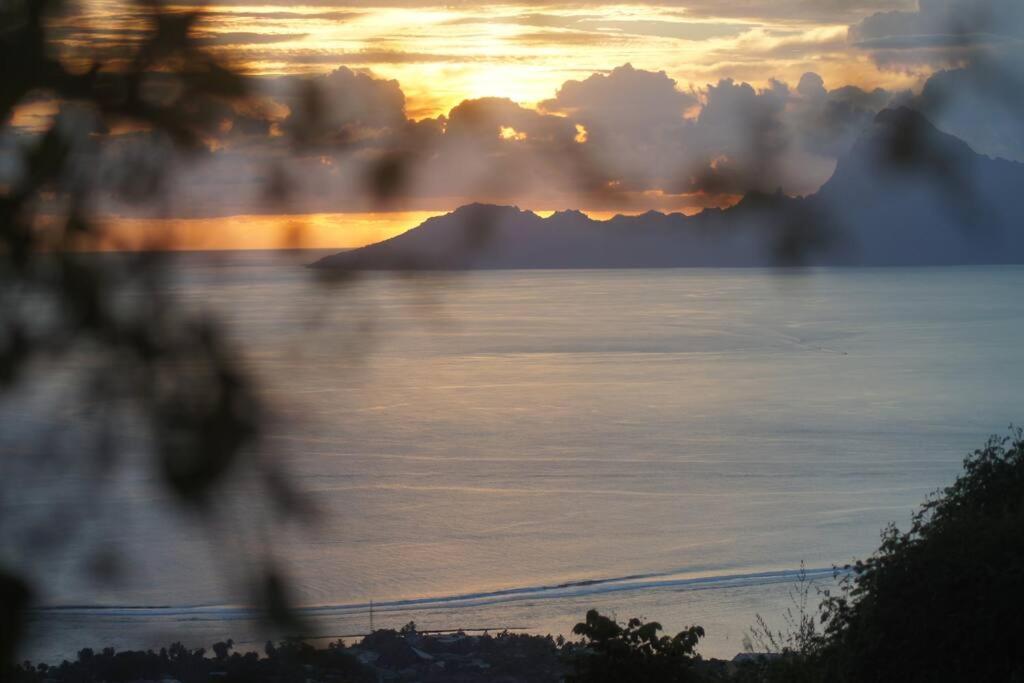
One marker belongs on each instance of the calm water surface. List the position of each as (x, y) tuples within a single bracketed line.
[(511, 448)]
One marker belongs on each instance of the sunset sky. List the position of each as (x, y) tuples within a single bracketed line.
[(621, 107), (442, 55)]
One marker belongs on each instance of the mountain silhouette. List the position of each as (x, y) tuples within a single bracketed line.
[(905, 194)]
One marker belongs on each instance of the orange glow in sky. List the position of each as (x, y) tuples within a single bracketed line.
[(305, 231), (441, 55)]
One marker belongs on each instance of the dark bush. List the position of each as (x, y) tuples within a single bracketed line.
[(939, 602), (943, 600), (633, 652)]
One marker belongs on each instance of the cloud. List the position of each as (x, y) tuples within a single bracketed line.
[(216, 12), (978, 46), (831, 11), (597, 25), (319, 57), (838, 11), (237, 38), (485, 118), (776, 137), (620, 139), (941, 21), (623, 96), (828, 122), (632, 133), (682, 30), (939, 31), (497, 150), (343, 107), (982, 103), (565, 37), (634, 120)]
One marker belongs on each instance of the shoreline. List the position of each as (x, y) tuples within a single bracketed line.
[(727, 607)]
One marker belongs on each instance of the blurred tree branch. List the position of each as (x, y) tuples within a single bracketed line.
[(175, 371)]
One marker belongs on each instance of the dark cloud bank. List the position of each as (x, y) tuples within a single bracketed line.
[(627, 138)]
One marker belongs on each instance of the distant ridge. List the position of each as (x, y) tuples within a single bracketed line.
[(905, 194)]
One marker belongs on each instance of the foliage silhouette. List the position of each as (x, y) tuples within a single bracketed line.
[(801, 627), (156, 364), (634, 651), (940, 601), (290, 661)]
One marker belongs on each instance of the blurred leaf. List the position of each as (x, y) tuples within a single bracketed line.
[(15, 598)]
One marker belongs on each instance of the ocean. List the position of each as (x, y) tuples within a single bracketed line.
[(509, 449)]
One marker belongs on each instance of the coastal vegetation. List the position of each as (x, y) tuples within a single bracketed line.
[(939, 601)]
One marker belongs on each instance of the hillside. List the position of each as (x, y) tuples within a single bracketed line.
[(906, 194)]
